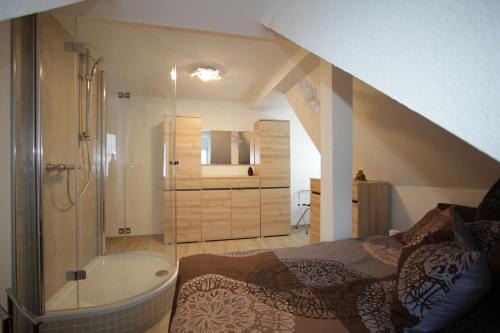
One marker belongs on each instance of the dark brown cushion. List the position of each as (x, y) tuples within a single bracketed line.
[(489, 208), (468, 214), (433, 221), (398, 236), (414, 229), (486, 235)]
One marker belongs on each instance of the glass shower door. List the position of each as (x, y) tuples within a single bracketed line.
[(134, 119), (59, 98)]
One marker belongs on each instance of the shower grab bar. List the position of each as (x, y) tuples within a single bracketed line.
[(60, 167)]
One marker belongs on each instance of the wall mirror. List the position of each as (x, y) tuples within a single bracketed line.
[(227, 148)]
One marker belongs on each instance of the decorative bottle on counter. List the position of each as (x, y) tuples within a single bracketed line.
[(250, 171)]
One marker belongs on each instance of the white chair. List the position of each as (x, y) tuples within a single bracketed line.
[(304, 203)]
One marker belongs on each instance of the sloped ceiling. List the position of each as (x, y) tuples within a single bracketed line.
[(439, 58), (239, 17)]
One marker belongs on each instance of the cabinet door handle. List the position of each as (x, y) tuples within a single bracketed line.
[(174, 162)]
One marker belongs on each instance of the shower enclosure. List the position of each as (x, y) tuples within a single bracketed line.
[(94, 189)]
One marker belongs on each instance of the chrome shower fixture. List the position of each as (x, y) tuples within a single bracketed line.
[(89, 78), (60, 166)]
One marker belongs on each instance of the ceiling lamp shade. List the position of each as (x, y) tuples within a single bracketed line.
[(206, 74)]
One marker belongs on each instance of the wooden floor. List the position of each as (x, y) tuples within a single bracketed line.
[(155, 243)]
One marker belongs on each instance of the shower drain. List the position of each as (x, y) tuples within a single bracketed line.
[(161, 273)]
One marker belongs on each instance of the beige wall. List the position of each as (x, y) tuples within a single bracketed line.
[(308, 116), (423, 162), (58, 103), (5, 197), (70, 236)]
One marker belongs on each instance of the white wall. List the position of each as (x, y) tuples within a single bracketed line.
[(423, 163), (439, 58), (134, 185), (5, 197), (218, 115), (15, 8)]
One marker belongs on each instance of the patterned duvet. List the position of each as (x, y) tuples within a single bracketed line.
[(341, 286)]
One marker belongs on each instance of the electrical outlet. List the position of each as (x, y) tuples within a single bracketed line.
[(121, 231), (127, 231)]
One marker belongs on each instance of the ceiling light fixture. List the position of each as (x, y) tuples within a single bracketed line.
[(206, 74)]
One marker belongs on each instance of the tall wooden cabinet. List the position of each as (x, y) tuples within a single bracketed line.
[(314, 227), (188, 173), (370, 209), (272, 159), (188, 152)]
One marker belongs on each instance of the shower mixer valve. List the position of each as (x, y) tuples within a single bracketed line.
[(60, 167)]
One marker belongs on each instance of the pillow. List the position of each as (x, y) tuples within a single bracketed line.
[(462, 234), (436, 284), (397, 236), (467, 213), (489, 208), (430, 223), (486, 235), (414, 229)]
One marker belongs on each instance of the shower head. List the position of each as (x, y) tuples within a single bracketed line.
[(94, 68)]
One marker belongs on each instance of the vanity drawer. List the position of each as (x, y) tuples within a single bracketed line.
[(215, 183), (270, 182), (246, 182)]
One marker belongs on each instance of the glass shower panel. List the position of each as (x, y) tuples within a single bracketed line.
[(59, 130), (131, 140), (114, 172)]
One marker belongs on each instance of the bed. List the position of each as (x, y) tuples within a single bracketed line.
[(341, 286)]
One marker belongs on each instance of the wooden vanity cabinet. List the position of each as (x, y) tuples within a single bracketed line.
[(216, 214), (245, 211), (275, 211), (188, 214)]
